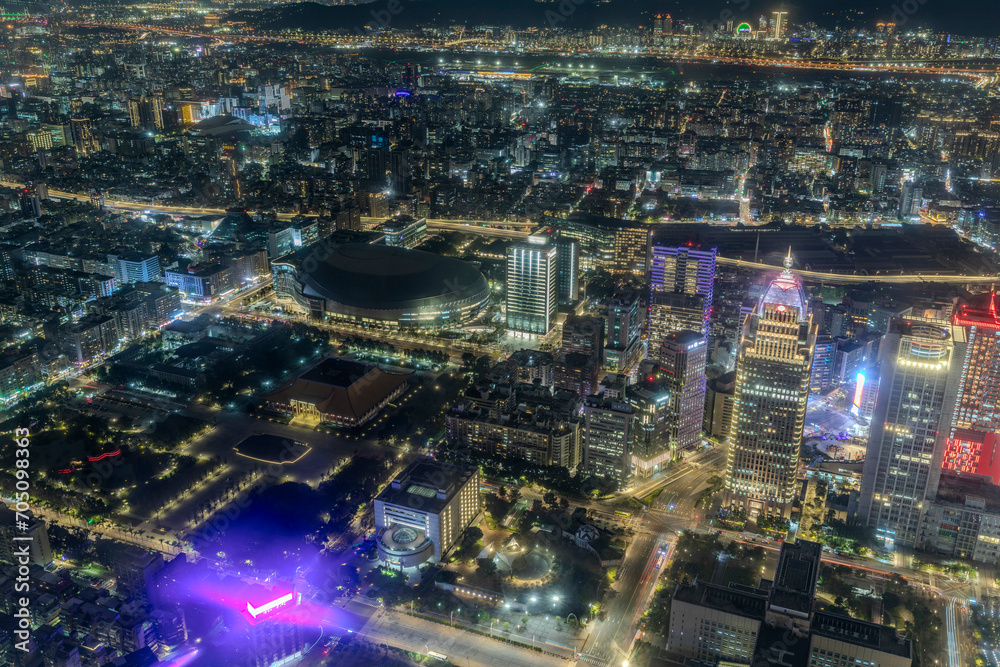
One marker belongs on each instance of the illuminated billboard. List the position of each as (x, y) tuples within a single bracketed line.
[(859, 389)]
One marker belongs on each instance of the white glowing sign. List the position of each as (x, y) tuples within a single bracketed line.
[(270, 606)]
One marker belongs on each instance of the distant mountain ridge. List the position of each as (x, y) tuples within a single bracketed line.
[(971, 17)]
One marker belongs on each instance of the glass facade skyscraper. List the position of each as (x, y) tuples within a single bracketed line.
[(921, 369), (532, 287), (683, 279)]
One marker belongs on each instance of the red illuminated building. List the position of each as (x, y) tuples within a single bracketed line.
[(972, 446)]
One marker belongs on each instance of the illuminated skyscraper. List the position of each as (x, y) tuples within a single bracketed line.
[(608, 432), (772, 388), (683, 279), (972, 446), (921, 369), (532, 287), (624, 327), (779, 23), (682, 359)]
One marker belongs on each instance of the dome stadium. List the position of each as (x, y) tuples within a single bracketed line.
[(392, 286)]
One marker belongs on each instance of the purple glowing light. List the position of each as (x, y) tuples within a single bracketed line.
[(270, 606), (182, 660)]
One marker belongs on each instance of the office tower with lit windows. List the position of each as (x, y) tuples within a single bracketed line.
[(683, 279), (670, 312), (921, 370), (972, 446), (631, 250), (568, 263), (532, 286), (607, 438), (650, 401), (772, 389), (624, 346), (682, 359)]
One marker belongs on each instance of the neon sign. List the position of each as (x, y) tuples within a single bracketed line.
[(270, 606)]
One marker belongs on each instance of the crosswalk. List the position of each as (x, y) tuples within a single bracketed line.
[(593, 660), (364, 599)]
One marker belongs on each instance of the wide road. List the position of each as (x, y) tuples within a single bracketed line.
[(480, 227), (681, 485), (611, 640), (951, 632), (849, 278), (517, 230)]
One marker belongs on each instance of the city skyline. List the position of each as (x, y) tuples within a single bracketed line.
[(607, 334)]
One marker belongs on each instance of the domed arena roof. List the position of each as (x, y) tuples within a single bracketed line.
[(379, 277)]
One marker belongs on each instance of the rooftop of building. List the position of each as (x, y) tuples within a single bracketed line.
[(530, 358), (426, 484), (963, 489), (795, 578), (741, 601), (340, 387), (861, 633)]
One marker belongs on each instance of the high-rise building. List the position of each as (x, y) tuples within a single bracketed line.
[(136, 268), (776, 622), (607, 438), (650, 401), (772, 390), (631, 252), (135, 570), (31, 204), (670, 312), (920, 372), (34, 536), (779, 24), (532, 287), (683, 279), (973, 444), (569, 269), (40, 139), (824, 356), (682, 359), (684, 270), (84, 139), (583, 335), (624, 346)]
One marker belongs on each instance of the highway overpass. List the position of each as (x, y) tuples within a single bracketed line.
[(521, 230)]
